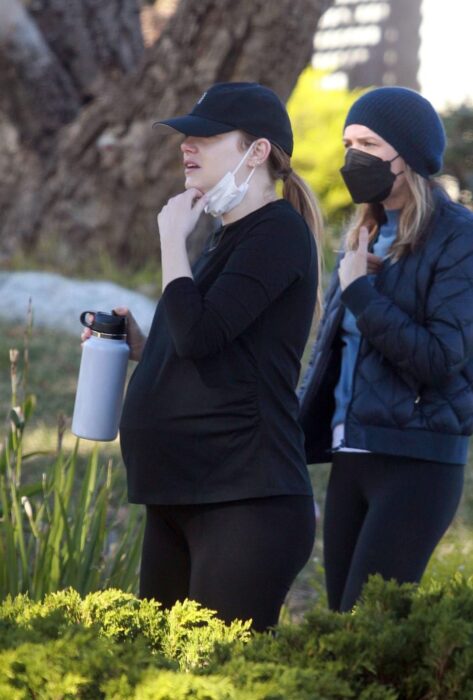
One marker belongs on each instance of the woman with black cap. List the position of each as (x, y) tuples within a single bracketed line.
[(209, 432), (388, 397)]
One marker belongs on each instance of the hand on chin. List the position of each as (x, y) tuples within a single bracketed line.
[(192, 181)]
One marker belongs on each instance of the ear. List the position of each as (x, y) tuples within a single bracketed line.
[(261, 148)]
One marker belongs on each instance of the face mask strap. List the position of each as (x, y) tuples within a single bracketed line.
[(401, 171), (250, 175), (242, 161)]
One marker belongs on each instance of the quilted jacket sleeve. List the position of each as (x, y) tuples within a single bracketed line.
[(442, 345)]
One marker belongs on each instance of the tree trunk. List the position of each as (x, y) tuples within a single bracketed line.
[(36, 93), (111, 172), (94, 40)]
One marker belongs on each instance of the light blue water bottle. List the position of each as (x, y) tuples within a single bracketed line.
[(102, 376)]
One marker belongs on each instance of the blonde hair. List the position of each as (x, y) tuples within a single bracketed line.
[(298, 193), (413, 219)]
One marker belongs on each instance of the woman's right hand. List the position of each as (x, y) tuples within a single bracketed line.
[(135, 337), (354, 264)]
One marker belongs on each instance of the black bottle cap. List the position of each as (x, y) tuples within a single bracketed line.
[(102, 322)]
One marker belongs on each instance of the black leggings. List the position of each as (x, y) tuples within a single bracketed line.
[(384, 515), (238, 558)]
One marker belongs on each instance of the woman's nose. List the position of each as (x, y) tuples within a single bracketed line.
[(188, 144)]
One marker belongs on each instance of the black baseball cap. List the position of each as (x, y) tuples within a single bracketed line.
[(249, 107)]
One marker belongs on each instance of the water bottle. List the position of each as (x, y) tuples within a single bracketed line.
[(102, 376)]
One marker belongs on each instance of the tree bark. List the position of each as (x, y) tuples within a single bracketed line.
[(36, 93), (94, 40), (112, 172)]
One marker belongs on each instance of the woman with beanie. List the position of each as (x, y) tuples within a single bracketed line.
[(209, 431), (388, 397)]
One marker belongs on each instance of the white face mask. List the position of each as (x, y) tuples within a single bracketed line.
[(226, 194)]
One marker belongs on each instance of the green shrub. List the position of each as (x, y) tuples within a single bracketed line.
[(108, 644), (399, 643)]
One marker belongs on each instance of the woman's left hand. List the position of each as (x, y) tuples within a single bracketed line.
[(355, 262), (177, 219)]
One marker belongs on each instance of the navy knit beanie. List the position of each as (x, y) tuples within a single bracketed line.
[(407, 121)]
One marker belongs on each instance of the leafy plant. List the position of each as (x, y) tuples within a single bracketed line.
[(317, 116), (399, 643), (56, 532)]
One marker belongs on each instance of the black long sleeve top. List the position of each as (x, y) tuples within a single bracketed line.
[(211, 412)]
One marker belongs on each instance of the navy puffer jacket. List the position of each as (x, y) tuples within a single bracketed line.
[(413, 379)]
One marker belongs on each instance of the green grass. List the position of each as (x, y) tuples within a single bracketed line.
[(54, 365), (54, 362)]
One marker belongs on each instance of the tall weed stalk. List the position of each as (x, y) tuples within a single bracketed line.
[(61, 530)]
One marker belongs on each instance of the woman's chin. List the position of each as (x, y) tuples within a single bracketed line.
[(189, 185)]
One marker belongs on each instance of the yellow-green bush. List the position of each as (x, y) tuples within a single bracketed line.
[(400, 643), (317, 117)]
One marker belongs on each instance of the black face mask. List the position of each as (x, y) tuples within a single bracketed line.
[(368, 178)]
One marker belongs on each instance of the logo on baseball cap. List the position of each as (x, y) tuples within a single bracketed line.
[(248, 107)]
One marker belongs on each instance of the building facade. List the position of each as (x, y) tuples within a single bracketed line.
[(360, 43)]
